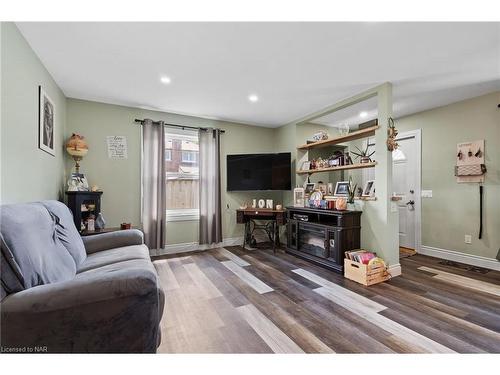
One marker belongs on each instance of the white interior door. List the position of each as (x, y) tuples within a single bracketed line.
[(404, 172), (406, 184)]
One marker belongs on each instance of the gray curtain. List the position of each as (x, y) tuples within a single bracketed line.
[(210, 196), (153, 184)]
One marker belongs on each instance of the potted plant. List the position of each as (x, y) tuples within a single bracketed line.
[(351, 191), (364, 156)]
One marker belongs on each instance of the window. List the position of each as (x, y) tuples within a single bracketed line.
[(182, 176), (190, 156)]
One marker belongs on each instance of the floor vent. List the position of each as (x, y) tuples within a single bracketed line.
[(465, 267)]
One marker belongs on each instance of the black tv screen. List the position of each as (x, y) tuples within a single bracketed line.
[(259, 172)]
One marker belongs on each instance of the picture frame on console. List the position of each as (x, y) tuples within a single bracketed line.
[(341, 189), (309, 188), (298, 197), (369, 189)]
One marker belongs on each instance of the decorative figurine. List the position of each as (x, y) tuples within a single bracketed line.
[(100, 223)]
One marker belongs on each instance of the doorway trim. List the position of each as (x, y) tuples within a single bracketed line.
[(417, 134)]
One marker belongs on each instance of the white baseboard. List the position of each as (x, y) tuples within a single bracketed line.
[(195, 246), (394, 270), (473, 260)]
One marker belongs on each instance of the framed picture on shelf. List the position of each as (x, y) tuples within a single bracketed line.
[(341, 189), (309, 188), (369, 189), (46, 130), (298, 197), (306, 166)]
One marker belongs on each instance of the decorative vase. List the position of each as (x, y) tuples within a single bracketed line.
[(100, 223), (351, 206), (341, 204), (365, 159)]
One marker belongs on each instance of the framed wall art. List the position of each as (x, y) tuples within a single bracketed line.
[(46, 124)]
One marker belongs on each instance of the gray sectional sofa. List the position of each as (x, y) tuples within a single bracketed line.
[(63, 293)]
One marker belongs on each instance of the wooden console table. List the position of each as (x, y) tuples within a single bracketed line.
[(273, 218)]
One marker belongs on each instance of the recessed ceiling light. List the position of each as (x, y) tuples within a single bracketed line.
[(253, 98), (166, 80), (363, 114)]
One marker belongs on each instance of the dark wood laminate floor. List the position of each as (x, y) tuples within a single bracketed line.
[(250, 301)]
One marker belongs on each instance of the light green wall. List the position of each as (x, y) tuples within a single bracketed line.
[(28, 173), (453, 211), (120, 179)]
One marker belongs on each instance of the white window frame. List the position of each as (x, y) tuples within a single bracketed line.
[(183, 214), (189, 152), (170, 153)]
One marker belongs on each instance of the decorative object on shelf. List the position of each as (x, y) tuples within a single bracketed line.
[(124, 226), (100, 223), (320, 136), (343, 129), (369, 189), (341, 189), (322, 187), (46, 116), (298, 197), (351, 191), (90, 223), (254, 203), (329, 190), (341, 204), (306, 166), (244, 206), (269, 203), (316, 196), (359, 192), (347, 159), (309, 187), (470, 164), (262, 203), (392, 132), (77, 148), (279, 207), (363, 155), (94, 188), (77, 182)]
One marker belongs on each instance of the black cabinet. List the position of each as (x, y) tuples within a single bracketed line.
[(323, 236), (82, 204)]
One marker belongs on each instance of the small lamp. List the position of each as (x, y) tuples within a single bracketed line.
[(77, 148)]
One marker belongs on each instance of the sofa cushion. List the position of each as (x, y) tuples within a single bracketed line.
[(119, 254), (29, 232), (12, 280), (66, 230)]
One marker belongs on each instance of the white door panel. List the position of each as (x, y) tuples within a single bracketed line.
[(406, 185)]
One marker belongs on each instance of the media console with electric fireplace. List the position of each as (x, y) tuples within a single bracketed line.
[(323, 236)]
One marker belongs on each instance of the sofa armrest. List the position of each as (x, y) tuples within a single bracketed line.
[(118, 311), (111, 240)]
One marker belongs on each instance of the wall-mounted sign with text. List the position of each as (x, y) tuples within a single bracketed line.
[(117, 146)]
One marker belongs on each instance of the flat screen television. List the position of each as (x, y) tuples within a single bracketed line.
[(259, 172)]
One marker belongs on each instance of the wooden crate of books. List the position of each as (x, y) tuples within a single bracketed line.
[(358, 270)]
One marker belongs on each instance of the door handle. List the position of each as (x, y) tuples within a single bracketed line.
[(412, 202)]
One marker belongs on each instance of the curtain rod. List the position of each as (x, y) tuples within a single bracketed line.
[(178, 126)]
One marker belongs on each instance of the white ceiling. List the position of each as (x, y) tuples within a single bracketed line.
[(294, 68)]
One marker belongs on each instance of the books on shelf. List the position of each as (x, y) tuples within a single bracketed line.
[(360, 256)]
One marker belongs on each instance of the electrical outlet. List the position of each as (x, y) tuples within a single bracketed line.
[(468, 238), (426, 194)]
